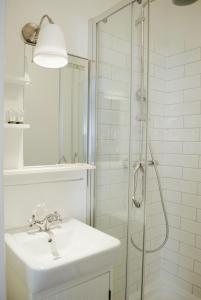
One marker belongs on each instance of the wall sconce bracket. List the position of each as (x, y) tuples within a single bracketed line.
[(30, 31)]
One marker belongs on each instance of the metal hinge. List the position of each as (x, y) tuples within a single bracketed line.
[(110, 295)]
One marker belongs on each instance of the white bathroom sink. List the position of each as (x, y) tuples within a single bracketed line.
[(76, 250)]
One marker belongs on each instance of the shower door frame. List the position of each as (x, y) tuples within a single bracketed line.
[(92, 113)]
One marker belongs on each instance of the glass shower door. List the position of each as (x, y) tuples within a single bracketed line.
[(113, 134), (121, 140)]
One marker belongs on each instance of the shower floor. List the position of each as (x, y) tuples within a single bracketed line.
[(163, 292)]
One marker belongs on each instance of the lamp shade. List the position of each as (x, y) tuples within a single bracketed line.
[(50, 51)]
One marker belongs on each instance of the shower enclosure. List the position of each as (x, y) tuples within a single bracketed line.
[(145, 139)]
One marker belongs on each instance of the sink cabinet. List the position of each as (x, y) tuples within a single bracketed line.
[(94, 288), (97, 288)]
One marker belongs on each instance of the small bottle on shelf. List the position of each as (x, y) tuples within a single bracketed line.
[(11, 116), (14, 117), (19, 117)]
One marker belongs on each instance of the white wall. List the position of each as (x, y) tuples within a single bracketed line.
[(2, 270)]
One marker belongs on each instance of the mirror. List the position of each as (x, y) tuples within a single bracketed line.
[(55, 106)]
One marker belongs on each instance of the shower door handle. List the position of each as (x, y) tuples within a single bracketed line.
[(138, 168)]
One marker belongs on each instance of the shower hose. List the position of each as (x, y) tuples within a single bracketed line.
[(138, 203)]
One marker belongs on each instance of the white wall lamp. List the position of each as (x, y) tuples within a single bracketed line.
[(50, 51)]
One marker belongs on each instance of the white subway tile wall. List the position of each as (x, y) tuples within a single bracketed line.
[(176, 139)]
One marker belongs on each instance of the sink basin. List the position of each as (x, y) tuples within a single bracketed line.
[(68, 252)]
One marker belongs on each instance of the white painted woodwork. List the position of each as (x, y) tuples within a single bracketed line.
[(94, 289), (13, 149), (2, 62), (65, 192)]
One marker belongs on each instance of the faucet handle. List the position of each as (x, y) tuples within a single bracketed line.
[(55, 217), (58, 216), (32, 221), (43, 224)]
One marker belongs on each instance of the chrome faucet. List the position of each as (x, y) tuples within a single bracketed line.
[(45, 223)]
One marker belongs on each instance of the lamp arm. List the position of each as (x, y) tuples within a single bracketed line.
[(42, 19), (36, 33)]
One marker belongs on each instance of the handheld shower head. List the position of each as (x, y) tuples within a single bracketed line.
[(183, 2)]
